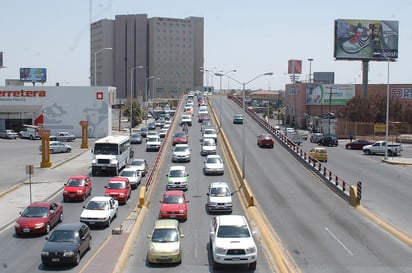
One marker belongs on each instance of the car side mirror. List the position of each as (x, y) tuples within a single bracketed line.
[(207, 194), (149, 236), (105, 187)]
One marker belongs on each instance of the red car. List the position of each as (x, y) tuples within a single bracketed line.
[(358, 144), (39, 218), (265, 140), (119, 188), (180, 138), (78, 187), (174, 205), (203, 116)]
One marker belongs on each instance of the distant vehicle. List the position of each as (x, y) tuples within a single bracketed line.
[(58, 147), (63, 136), (289, 130), (358, 144), (238, 119), (379, 147), (30, 133), (203, 116), (163, 133), (77, 187), (153, 143), (100, 210), (181, 153), (265, 140), (151, 126), (213, 165), (208, 146), (328, 141), (319, 153), (119, 188), (303, 134), (315, 137), (180, 137), (67, 244), (136, 138), (186, 118), (205, 124), (231, 241), (177, 178), (133, 175), (110, 153), (39, 218), (219, 197), (174, 205), (210, 133), (139, 164), (10, 134), (295, 137), (143, 131), (165, 242)]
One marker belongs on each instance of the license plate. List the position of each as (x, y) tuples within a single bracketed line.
[(26, 230), (91, 223), (172, 216), (55, 260)]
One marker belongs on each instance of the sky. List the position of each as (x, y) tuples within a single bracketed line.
[(252, 37)]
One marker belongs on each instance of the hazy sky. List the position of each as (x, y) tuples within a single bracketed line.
[(252, 37)]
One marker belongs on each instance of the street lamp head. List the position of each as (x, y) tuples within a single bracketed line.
[(268, 74), (310, 59)]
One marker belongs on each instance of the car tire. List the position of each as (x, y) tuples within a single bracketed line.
[(108, 222), (51, 151), (77, 260), (68, 150), (252, 266)]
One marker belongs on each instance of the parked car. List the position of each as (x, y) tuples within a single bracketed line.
[(141, 165), (208, 146), (136, 138), (231, 241), (358, 144), (180, 137), (63, 136), (39, 218), (100, 210), (174, 205), (328, 141), (319, 153), (219, 197), (213, 165), (238, 119), (165, 242), (119, 188), (315, 137), (67, 244), (379, 147), (133, 175), (10, 134), (181, 153), (265, 140), (30, 133), (177, 178), (77, 187), (58, 147)]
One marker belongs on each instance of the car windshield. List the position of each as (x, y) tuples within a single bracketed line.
[(210, 132), (180, 134), (128, 173), (106, 149), (97, 205), (76, 182), (233, 232), (214, 160), (165, 235), (116, 185), (181, 149), (219, 192), (176, 173), (173, 199), (137, 163), (208, 143), (35, 212), (63, 236), (153, 139)]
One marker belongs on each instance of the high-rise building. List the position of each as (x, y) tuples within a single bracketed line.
[(162, 56)]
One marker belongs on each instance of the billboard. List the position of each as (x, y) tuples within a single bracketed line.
[(33, 74), (294, 66), (325, 94), (366, 39)]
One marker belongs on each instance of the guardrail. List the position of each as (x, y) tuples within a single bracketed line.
[(346, 190)]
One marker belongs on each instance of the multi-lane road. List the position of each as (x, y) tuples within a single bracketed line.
[(319, 232)]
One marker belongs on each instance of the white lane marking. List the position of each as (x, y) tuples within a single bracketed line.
[(339, 241)]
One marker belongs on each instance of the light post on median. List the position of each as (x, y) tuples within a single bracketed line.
[(244, 113), (146, 97), (220, 100), (95, 62), (310, 69), (131, 95), (154, 90)]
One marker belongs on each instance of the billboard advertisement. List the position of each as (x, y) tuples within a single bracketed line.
[(325, 94), (366, 39), (294, 66), (33, 74)]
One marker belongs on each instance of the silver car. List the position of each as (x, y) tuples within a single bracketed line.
[(58, 147), (133, 175), (181, 153), (219, 197)]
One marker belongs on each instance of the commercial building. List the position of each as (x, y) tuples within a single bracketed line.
[(160, 56)]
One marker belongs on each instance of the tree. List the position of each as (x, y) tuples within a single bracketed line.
[(137, 113)]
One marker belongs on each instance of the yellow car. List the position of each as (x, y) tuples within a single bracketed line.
[(165, 242), (319, 153)]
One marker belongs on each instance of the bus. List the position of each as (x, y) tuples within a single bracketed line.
[(110, 154)]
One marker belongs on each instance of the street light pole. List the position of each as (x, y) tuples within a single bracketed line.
[(131, 95), (310, 69), (387, 113), (95, 62), (146, 97), (221, 91)]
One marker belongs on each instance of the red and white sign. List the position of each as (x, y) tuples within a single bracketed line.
[(99, 95), (294, 66)]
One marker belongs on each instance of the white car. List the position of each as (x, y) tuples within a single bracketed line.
[(100, 210), (140, 164), (213, 165), (181, 152), (231, 241), (153, 143), (163, 132), (133, 175), (210, 133), (186, 119), (208, 146), (219, 197), (58, 147)]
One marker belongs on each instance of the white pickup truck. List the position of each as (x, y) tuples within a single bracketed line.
[(63, 136), (379, 147)]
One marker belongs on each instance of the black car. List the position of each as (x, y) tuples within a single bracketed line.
[(143, 131), (67, 244), (328, 141), (136, 139), (151, 126)]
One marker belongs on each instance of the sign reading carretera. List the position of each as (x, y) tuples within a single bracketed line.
[(22, 93)]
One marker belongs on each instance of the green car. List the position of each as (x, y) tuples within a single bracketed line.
[(165, 242), (238, 119), (177, 178)]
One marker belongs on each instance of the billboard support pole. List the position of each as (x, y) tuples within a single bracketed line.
[(365, 66)]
